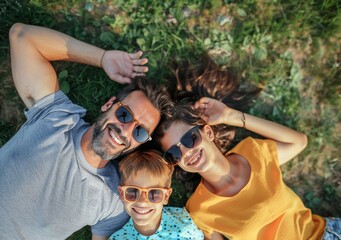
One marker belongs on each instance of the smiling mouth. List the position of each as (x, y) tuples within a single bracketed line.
[(142, 211), (115, 137), (195, 158)]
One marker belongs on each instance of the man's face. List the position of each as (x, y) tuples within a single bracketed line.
[(112, 137)]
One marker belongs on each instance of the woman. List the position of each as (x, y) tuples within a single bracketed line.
[(241, 194)]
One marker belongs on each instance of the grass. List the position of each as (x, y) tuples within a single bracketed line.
[(290, 48)]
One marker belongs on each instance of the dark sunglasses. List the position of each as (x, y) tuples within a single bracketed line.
[(190, 139), (124, 115), (133, 193)]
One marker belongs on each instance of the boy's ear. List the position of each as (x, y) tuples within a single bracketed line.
[(209, 132), (167, 195), (120, 190), (108, 104)]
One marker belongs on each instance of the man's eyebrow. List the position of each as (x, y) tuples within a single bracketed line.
[(127, 106)]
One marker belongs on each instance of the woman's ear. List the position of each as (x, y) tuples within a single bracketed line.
[(108, 104), (167, 195), (209, 132)]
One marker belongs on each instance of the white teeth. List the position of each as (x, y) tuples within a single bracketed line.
[(195, 159), (118, 141), (141, 211)]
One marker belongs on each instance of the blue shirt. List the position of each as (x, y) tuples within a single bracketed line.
[(48, 190), (175, 224)]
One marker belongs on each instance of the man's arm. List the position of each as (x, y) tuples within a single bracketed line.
[(33, 47)]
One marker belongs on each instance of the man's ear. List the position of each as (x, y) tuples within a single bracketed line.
[(209, 132), (167, 195), (108, 104)]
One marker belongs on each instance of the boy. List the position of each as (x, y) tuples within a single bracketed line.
[(145, 188)]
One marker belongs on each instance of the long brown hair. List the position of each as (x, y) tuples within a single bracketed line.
[(208, 79), (205, 79)]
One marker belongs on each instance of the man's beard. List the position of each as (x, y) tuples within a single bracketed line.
[(103, 150)]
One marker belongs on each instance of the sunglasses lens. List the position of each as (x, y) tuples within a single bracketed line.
[(123, 115), (155, 195), (173, 155), (131, 194), (191, 139), (140, 134)]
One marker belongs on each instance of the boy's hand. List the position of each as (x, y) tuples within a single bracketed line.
[(121, 66)]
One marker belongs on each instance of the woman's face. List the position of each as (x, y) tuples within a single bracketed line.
[(193, 159)]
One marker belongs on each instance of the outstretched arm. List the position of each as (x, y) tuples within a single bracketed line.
[(289, 142), (33, 47)]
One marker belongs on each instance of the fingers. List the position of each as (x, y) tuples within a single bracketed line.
[(137, 75), (140, 69), (205, 117), (136, 55), (142, 61), (202, 104)]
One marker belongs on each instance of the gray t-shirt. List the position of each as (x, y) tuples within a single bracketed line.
[(47, 188)]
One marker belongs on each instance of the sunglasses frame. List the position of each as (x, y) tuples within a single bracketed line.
[(195, 128), (138, 124), (123, 188)]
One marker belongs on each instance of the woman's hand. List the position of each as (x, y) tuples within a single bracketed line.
[(289, 142), (215, 112), (121, 66)]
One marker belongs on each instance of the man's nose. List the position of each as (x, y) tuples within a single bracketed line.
[(127, 129)]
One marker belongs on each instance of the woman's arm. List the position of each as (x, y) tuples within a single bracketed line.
[(289, 142)]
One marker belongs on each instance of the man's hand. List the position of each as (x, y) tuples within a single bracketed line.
[(34, 47), (121, 66)]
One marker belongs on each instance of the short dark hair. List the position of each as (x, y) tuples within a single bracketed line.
[(156, 93)]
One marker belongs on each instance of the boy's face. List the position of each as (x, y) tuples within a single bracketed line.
[(145, 214)]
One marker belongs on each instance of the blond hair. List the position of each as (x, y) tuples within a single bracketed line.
[(150, 161)]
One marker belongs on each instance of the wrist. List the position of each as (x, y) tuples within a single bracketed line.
[(236, 118), (101, 60), (243, 119)]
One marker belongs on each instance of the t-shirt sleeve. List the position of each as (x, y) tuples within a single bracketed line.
[(267, 148), (54, 106), (257, 150)]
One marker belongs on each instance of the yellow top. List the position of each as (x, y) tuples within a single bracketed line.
[(264, 209)]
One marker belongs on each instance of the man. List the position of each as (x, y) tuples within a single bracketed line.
[(55, 173)]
